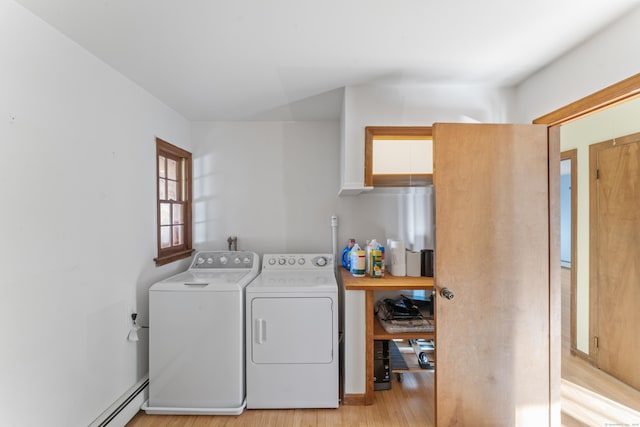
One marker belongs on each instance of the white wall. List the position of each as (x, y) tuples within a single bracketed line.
[(272, 184), (605, 59), (615, 122), (78, 224)]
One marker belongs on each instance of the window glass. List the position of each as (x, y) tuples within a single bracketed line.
[(177, 214), (172, 190), (165, 213), (162, 166), (171, 169), (165, 237), (162, 189), (177, 235)]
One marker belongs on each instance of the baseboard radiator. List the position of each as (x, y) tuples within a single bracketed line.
[(126, 407)]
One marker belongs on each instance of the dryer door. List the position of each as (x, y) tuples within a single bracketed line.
[(292, 330)]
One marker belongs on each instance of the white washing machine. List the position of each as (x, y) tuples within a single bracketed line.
[(197, 336), (292, 333)]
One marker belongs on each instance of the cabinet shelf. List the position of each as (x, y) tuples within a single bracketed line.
[(379, 333), (388, 282)]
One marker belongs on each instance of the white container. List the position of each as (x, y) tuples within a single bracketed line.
[(413, 263), (398, 266), (357, 261)]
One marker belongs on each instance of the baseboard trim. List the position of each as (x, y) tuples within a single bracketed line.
[(354, 399), (126, 407), (582, 355)]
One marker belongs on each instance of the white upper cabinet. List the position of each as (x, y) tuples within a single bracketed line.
[(402, 156), (398, 156)]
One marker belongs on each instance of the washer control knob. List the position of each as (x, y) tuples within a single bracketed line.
[(282, 261), (199, 261), (223, 260), (301, 261), (321, 261), (272, 261), (237, 260), (292, 261), (246, 260), (209, 261)]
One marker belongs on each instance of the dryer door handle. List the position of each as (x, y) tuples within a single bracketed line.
[(261, 331)]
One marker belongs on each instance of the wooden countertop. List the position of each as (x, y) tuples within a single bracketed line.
[(384, 283)]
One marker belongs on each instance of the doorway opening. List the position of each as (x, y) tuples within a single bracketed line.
[(578, 390)]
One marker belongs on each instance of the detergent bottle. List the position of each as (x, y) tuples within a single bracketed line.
[(346, 255), (375, 255), (357, 261)]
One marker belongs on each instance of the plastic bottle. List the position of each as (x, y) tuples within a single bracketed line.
[(357, 256), (373, 257), (346, 255)]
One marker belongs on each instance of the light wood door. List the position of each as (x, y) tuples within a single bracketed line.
[(616, 255), (492, 252)]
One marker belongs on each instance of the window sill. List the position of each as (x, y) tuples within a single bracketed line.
[(162, 260)]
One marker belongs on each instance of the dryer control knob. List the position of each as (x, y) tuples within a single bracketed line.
[(199, 261), (237, 261), (209, 260), (282, 261), (272, 261), (223, 260), (321, 261), (301, 261), (246, 260), (292, 261)]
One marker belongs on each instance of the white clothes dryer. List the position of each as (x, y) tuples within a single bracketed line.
[(292, 333), (197, 336)]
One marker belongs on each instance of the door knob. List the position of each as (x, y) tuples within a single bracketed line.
[(446, 293)]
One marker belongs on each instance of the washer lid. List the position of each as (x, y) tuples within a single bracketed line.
[(213, 281)]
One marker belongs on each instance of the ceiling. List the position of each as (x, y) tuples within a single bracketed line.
[(290, 59)]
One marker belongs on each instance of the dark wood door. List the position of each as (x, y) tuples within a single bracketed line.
[(492, 252), (615, 255)]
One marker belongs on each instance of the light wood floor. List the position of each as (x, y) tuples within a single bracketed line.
[(408, 403), (589, 398)]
